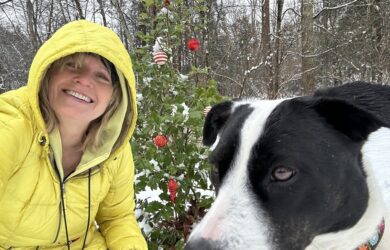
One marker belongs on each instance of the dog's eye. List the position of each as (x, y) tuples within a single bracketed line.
[(282, 174)]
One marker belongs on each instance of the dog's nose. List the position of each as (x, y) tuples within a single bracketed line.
[(202, 244)]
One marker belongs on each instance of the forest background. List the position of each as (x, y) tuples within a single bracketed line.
[(265, 48)]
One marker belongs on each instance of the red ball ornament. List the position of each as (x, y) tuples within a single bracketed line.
[(166, 3), (160, 141), (172, 187), (160, 57), (193, 44)]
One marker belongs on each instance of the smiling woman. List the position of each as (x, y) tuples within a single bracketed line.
[(76, 90), (80, 88), (66, 167)]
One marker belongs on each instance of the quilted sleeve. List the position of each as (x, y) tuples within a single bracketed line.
[(15, 140), (116, 216)]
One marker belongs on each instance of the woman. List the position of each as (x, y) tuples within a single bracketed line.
[(66, 168)]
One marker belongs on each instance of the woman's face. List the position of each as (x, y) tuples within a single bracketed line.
[(80, 94)]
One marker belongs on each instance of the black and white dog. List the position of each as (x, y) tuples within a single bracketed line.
[(299, 173)]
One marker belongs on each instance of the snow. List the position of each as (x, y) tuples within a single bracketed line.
[(155, 164), (150, 195), (165, 11), (186, 112), (183, 77), (147, 80), (174, 110), (140, 97), (158, 45)]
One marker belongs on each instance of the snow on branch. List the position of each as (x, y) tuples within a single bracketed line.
[(253, 68), (334, 8)]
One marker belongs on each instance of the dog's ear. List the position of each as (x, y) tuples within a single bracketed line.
[(351, 120), (215, 120)]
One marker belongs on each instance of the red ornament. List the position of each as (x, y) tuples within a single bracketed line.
[(160, 141), (172, 187), (193, 44), (166, 3), (160, 57)]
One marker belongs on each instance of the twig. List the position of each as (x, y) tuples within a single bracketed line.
[(1, 3), (333, 8)]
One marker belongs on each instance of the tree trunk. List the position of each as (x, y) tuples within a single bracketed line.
[(266, 47), (101, 6), (49, 30), (32, 32), (308, 67), (65, 16), (123, 24), (377, 35), (277, 57), (79, 10)]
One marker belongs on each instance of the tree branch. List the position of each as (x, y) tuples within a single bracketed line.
[(333, 8), (1, 3)]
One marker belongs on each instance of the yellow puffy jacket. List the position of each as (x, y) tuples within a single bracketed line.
[(39, 209)]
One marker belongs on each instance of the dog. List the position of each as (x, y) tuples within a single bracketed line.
[(299, 173)]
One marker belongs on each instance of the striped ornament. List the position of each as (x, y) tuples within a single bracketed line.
[(206, 110), (160, 57)]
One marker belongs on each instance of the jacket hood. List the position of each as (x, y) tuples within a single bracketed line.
[(85, 36)]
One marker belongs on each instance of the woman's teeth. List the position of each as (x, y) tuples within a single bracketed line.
[(79, 96)]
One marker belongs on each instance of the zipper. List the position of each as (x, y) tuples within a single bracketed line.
[(59, 224), (62, 205), (61, 193)]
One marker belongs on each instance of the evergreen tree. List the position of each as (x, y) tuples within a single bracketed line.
[(167, 144)]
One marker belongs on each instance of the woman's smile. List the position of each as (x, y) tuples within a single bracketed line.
[(79, 96)]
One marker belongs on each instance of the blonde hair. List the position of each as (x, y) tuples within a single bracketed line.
[(93, 136)]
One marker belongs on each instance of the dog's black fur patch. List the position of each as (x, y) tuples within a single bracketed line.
[(223, 154)]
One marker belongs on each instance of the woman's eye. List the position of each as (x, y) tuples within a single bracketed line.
[(103, 77), (71, 65), (282, 174)]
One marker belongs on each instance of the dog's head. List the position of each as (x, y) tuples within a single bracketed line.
[(287, 171)]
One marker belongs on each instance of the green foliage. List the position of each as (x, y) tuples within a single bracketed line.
[(171, 104)]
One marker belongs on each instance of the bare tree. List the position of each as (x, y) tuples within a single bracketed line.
[(5, 2), (277, 60), (308, 67), (266, 48), (101, 7), (32, 25), (79, 10), (123, 24)]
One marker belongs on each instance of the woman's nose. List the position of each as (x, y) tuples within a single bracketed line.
[(85, 79)]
